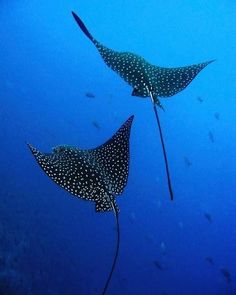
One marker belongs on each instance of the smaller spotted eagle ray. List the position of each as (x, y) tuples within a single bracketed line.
[(96, 174), (146, 79)]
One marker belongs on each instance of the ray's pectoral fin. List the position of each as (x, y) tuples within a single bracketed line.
[(169, 81)]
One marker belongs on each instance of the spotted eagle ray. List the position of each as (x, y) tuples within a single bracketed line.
[(146, 79), (96, 174)]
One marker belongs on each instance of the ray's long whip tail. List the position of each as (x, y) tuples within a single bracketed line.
[(163, 146), (117, 249)]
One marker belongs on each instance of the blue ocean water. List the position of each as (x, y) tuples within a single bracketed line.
[(53, 243)]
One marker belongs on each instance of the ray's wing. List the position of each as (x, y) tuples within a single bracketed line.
[(112, 158), (129, 66), (71, 171), (169, 81)]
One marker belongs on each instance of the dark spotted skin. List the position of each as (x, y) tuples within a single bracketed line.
[(143, 76), (95, 175)]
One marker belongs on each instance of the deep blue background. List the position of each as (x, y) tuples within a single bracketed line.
[(53, 243)]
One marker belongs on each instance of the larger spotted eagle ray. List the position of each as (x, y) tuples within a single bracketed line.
[(146, 79), (96, 174)]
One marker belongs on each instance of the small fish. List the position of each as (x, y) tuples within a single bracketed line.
[(226, 274), (188, 163), (208, 217), (158, 265), (210, 260), (199, 99), (217, 115), (96, 175), (96, 125), (90, 95), (211, 136), (146, 80)]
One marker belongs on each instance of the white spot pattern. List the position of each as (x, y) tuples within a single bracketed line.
[(95, 175), (143, 76), (137, 72)]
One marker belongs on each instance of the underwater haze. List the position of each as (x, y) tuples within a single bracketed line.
[(55, 89)]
